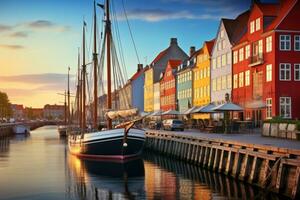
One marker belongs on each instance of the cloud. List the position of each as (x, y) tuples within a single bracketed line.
[(5, 28), (19, 34), (46, 24), (41, 24), (11, 46), (154, 15), (48, 78)]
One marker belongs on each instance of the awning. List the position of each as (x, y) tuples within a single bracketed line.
[(228, 107), (190, 110), (171, 112), (205, 109)]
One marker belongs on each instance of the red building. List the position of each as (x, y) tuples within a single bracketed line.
[(168, 86), (266, 62)]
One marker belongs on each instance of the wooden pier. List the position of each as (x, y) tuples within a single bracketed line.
[(272, 168)]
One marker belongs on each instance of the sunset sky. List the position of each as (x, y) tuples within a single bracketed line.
[(39, 39)]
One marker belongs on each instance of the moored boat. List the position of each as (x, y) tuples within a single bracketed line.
[(122, 141), (62, 130), (21, 129)]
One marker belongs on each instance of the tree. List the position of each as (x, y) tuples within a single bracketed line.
[(5, 106)]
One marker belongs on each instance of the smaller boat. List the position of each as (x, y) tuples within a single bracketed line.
[(62, 130), (21, 129)]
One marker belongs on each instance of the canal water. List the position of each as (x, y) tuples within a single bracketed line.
[(39, 167)]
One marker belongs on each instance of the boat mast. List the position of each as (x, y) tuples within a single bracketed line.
[(69, 118), (65, 107), (83, 81), (95, 69), (108, 40), (78, 91)]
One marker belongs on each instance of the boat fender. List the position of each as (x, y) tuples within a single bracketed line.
[(125, 144)]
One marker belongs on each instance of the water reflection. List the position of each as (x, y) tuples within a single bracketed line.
[(172, 179), (107, 180), (42, 159)]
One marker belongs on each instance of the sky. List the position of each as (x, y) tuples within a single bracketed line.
[(39, 39)]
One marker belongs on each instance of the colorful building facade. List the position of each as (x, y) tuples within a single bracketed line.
[(266, 69), (137, 88), (229, 32), (168, 95), (185, 82), (201, 80), (156, 96), (158, 66)]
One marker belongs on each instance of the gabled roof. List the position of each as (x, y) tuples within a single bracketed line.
[(209, 45), (137, 74), (174, 63), (160, 56)]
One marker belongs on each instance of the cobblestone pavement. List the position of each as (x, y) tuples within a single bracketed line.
[(250, 138)]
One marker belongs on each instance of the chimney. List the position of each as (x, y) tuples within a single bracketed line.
[(139, 67), (173, 41), (192, 50)]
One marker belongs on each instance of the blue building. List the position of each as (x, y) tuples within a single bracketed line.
[(184, 80), (137, 88)]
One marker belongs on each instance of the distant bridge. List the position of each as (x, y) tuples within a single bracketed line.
[(6, 128)]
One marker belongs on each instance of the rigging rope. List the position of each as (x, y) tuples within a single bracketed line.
[(131, 35)]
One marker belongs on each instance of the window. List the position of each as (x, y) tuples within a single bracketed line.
[(219, 46), (228, 58), (204, 73), (229, 81), (223, 82), (285, 42), (219, 82), (247, 53), (260, 47), (247, 78), (241, 54), (223, 44), (252, 27), (235, 57), (269, 44), (285, 72), (208, 72), (218, 61), (297, 43), (224, 60), (297, 72), (241, 79), (222, 33), (257, 25), (285, 107), (214, 63), (235, 81), (269, 108), (214, 85), (269, 73)]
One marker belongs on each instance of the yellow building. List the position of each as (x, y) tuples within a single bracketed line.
[(148, 91), (201, 82)]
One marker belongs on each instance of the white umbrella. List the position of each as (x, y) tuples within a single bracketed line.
[(228, 107), (206, 109), (171, 112), (190, 110)]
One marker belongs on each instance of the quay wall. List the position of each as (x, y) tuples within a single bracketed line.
[(272, 168)]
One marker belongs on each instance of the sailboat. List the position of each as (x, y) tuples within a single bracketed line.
[(120, 142), (62, 129)]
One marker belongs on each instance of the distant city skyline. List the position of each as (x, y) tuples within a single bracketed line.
[(40, 39)]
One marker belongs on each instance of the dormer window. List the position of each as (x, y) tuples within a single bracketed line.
[(257, 24)]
